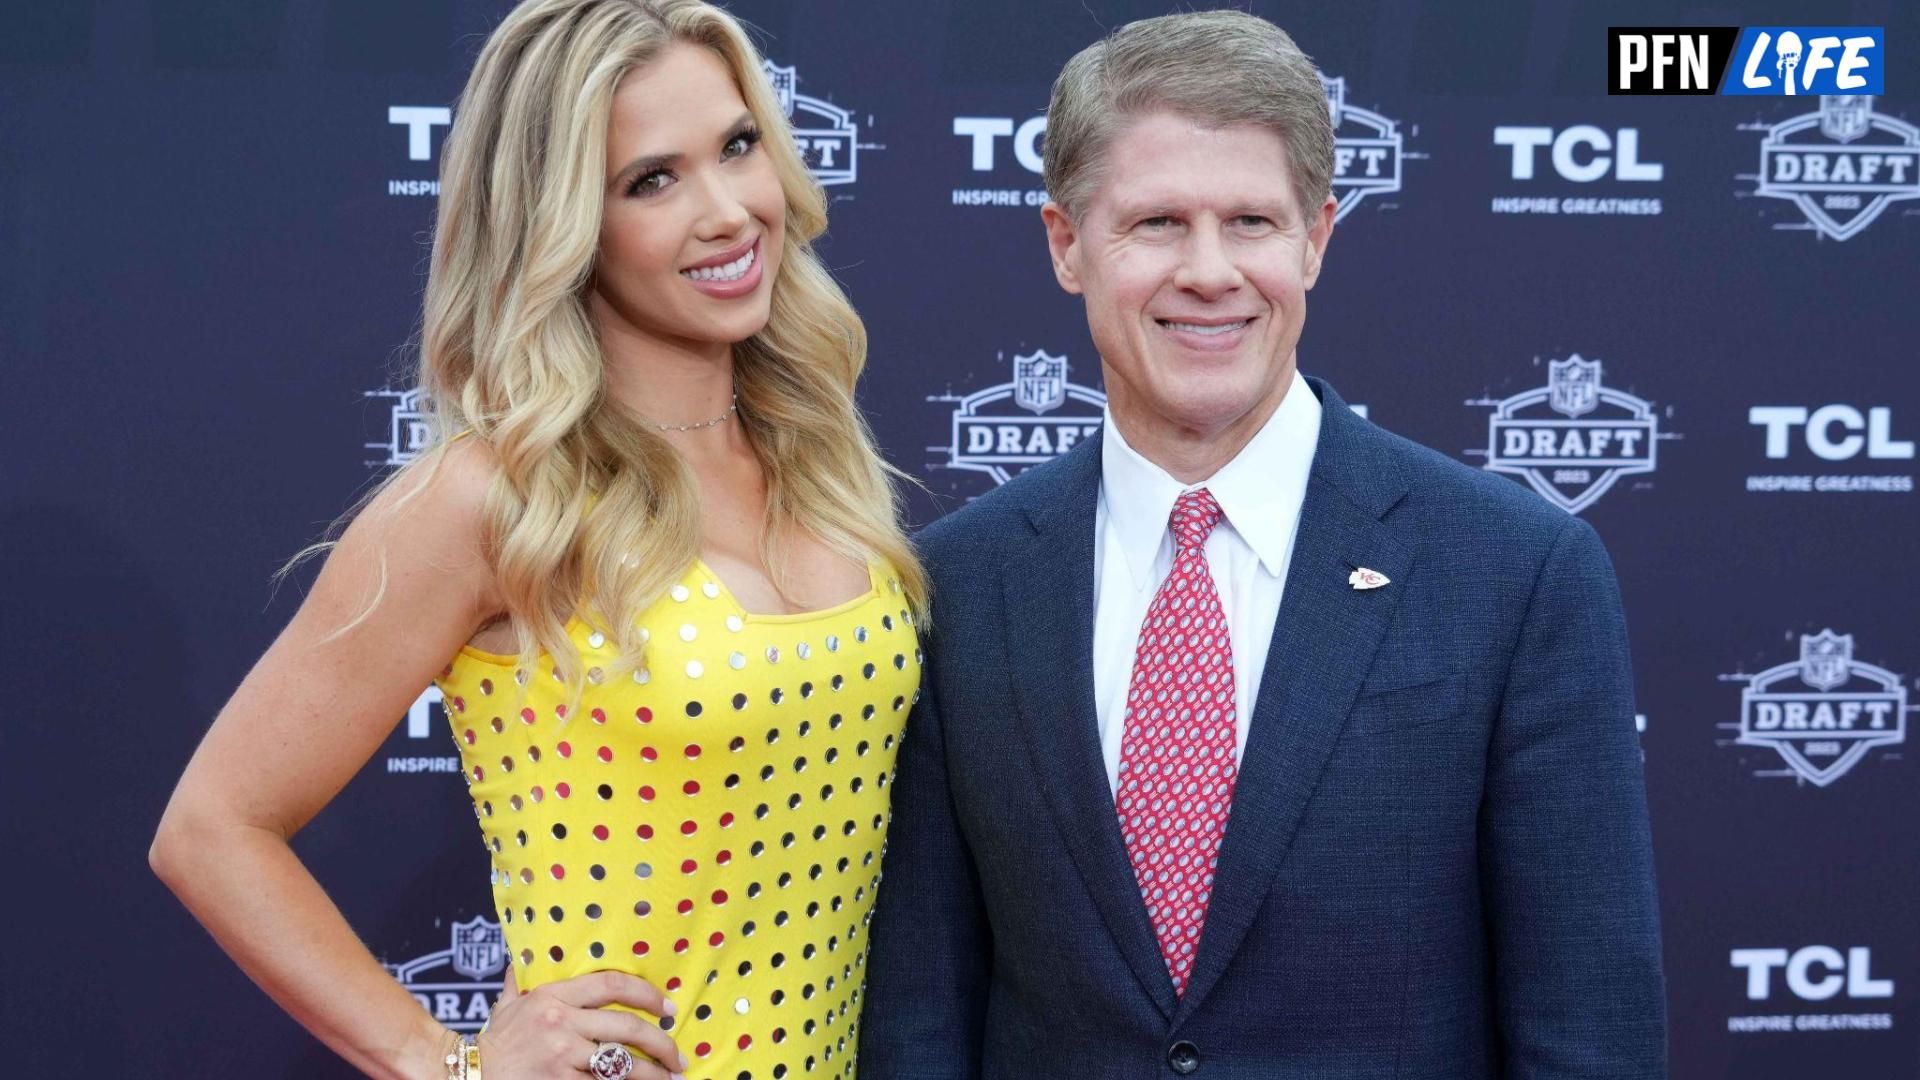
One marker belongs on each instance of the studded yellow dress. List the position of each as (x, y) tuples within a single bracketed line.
[(712, 823)]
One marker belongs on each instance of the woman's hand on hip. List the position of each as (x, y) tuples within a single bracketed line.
[(551, 1031)]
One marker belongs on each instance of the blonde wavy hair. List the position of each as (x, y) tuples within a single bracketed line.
[(591, 513)]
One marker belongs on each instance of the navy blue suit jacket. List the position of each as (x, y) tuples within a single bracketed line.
[(1437, 862)]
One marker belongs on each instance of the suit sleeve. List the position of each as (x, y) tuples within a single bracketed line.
[(931, 949), (1566, 855)]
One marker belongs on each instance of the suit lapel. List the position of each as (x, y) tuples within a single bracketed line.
[(1323, 644), (1048, 584)]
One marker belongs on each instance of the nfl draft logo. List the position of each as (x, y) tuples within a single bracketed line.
[(1367, 155), (826, 134), (1840, 166), (457, 984), (1823, 713), (1572, 438), (1006, 429), (408, 431)]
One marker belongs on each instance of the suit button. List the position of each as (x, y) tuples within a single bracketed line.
[(1184, 1058)]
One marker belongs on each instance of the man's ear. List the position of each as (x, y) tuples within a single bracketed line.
[(1063, 243), (1317, 236)]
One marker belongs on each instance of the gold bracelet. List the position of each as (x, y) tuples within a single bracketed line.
[(470, 1067), (465, 1055)]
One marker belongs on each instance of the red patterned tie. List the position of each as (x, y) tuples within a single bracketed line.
[(1176, 752)]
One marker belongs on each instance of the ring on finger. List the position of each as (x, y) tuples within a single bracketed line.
[(610, 1061)]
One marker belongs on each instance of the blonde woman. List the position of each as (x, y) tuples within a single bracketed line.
[(652, 560)]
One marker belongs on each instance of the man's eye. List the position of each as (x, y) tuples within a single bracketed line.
[(1160, 221), (1253, 221)]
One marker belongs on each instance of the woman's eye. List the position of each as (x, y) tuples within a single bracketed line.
[(742, 144), (651, 184)]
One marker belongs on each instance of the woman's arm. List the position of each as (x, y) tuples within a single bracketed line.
[(304, 721)]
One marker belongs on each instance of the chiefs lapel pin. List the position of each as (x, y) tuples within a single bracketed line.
[(1364, 578)]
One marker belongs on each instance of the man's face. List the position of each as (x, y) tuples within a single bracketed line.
[(1195, 259)]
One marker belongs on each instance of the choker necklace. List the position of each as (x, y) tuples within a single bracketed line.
[(702, 424)]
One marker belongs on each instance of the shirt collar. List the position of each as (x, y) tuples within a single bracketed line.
[(1260, 490)]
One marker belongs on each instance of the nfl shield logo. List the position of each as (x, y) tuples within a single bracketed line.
[(1844, 119), (1039, 381), (782, 79), (1336, 89), (479, 948), (1573, 385), (1826, 659)]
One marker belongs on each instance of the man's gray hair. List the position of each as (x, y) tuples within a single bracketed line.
[(1217, 68)]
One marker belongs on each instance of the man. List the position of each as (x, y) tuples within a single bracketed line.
[(1254, 741)]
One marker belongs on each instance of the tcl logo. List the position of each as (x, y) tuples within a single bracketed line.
[(419, 120), (983, 130), (1618, 153), (1814, 973), (1872, 432)]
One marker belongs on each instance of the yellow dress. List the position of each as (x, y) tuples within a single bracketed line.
[(712, 823)]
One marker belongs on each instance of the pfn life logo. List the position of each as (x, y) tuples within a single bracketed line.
[(1785, 61), (1794, 61)]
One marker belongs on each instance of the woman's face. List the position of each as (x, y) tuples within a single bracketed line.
[(690, 238)]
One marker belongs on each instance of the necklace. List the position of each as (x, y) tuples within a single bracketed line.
[(702, 424)]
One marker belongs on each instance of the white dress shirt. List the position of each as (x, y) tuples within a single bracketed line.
[(1261, 491)]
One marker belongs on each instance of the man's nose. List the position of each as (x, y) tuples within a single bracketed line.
[(1206, 266)]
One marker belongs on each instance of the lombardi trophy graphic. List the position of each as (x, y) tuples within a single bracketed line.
[(1789, 52)]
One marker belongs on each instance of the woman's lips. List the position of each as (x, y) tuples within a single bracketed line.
[(728, 275)]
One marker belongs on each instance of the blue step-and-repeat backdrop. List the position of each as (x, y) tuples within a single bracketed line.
[(213, 220)]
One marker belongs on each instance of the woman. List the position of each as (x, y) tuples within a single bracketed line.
[(656, 541)]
